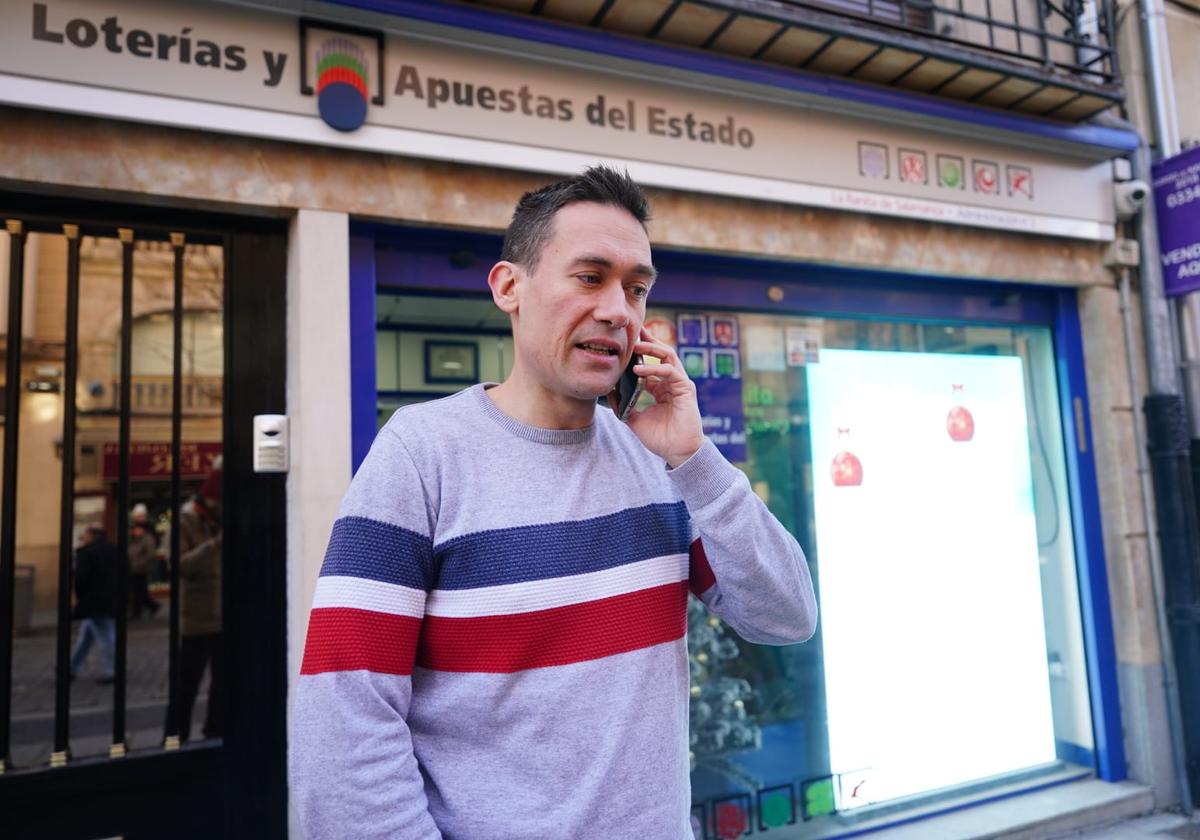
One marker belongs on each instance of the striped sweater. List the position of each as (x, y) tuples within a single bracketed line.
[(497, 644)]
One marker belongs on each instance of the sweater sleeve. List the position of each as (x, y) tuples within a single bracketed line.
[(353, 771), (745, 565)]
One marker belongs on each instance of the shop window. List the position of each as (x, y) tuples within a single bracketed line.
[(922, 468), (428, 347)]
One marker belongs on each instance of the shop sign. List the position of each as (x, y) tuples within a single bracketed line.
[(152, 461), (1177, 206), (404, 90)]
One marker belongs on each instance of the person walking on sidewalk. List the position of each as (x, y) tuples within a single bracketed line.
[(96, 601), (498, 640)]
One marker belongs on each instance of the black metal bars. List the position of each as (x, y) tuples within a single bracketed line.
[(171, 739), (117, 750), (1073, 42), (66, 521), (8, 513), (1057, 25)]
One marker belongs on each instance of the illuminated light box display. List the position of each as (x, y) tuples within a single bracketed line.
[(931, 603)]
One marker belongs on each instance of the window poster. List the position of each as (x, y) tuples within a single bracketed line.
[(931, 604), (709, 346)]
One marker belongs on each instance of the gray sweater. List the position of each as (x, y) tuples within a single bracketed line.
[(497, 645)]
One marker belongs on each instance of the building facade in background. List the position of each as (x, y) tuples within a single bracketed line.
[(880, 230)]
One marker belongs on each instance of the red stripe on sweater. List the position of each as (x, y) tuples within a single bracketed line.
[(504, 644), (700, 574), (346, 639)]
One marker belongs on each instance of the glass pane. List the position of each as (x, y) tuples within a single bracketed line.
[(97, 520), (149, 519), (96, 598), (922, 469), (201, 663), (428, 347), (39, 477)]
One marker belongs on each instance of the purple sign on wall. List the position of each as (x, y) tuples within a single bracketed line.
[(710, 349), (1177, 204)]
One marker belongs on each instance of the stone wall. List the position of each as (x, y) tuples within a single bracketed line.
[(149, 163)]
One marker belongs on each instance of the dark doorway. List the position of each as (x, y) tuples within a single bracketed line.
[(142, 343)]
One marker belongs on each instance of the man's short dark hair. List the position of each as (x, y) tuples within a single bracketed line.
[(533, 220)]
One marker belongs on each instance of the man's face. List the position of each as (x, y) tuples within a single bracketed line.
[(581, 309)]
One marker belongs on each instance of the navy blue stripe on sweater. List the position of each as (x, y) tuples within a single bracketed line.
[(365, 548), (538, 552)]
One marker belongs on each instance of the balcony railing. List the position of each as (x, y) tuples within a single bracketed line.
[(1052, 58), (153, 394), (1074, 37)]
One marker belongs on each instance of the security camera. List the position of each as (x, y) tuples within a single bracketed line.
[(1129, 196)]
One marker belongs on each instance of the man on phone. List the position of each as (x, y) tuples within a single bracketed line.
[(497, 646)]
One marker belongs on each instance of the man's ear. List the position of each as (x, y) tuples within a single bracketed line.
[(503, 280)]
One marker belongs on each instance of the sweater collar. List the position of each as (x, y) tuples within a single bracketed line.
[(553, 437)]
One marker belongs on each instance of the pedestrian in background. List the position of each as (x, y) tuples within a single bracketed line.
[(200, 538), (96, 601), (143, 547)]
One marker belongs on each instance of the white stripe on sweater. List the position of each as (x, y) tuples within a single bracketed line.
[(532, 595), (363, 594)]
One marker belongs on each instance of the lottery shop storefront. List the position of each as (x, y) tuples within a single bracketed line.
[(886, 316)]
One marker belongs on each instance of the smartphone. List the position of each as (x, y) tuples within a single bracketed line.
[(629, 388)]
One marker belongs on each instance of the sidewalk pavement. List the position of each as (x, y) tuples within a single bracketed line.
[(1164, 826)]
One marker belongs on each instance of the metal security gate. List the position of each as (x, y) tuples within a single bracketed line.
[(142, 614)]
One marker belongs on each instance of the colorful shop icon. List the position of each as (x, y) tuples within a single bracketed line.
[(726, 364), (872, 160), (986, 176), (914, 167), (693, 330), (695, 362), (950, 172), (724, 331), (1020, 181)]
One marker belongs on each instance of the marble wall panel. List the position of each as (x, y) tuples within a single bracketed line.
[(50, 151)]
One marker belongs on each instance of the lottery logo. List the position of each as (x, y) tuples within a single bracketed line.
[(343, 68), (342, 84)]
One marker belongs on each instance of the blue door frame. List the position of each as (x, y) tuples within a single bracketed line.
[(456, 262)]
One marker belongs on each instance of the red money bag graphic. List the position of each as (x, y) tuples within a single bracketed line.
[(847, 470), (959, 422)]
